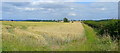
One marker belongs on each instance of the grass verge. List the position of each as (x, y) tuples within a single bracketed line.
[(95, 43)]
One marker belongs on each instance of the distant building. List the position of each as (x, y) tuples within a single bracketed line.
[(61, 21)]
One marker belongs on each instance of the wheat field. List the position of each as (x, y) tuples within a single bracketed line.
[(39, 35)]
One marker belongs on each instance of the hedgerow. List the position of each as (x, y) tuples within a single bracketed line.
[(106, 27)]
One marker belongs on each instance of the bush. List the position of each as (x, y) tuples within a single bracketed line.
[(65, 20), (108, 27)]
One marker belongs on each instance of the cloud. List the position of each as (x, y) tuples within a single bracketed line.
[(54, 10), (72, 14), (102, 9), (30, 9), (50, 9), (72, 8), (61, 0), (27, 8), (42, 2)]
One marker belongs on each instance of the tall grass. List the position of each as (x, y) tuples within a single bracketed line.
[(53, 36), (91, 42), (0, 36), (40, 36), (95, 43)]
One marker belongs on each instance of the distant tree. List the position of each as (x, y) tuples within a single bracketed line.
[(65, 20), (11, 20)]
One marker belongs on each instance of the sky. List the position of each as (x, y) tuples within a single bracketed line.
[(61, 0), (59, 10)]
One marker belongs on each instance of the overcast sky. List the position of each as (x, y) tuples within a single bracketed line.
[(59, 10)]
